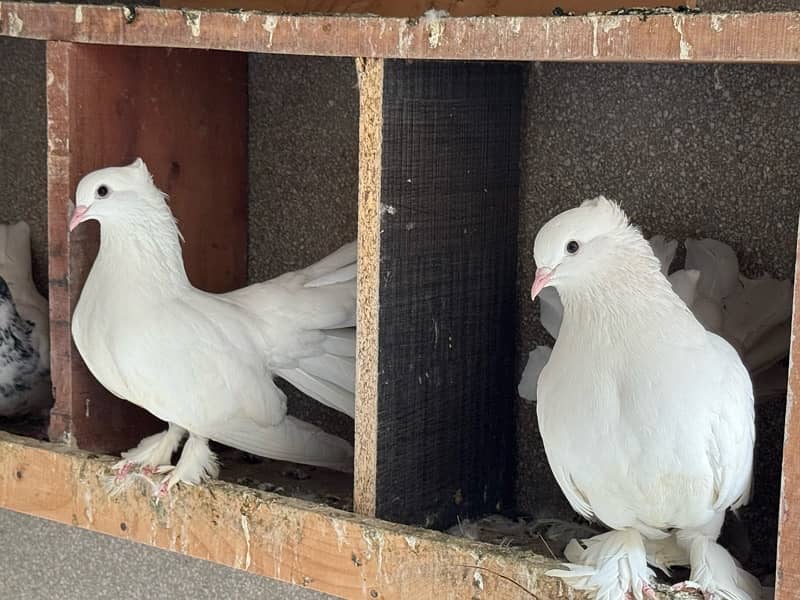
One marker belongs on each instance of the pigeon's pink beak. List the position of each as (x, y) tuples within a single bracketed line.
[(77, 216), (543, 277)]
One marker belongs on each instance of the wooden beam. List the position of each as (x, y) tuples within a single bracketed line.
[(106, 106), (416, 8), (306, 544), (787, 577), (725, 38)]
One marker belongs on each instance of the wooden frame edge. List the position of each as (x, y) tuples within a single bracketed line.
[(370, 84), (674, 37), (288, 539), (787, 571)]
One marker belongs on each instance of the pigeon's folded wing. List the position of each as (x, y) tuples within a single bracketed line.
[(196, 362), (733, 431)]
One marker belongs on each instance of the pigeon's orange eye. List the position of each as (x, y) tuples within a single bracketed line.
[(572, 246), (102, 191)]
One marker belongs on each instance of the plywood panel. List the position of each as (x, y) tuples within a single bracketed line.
[(106, 106)]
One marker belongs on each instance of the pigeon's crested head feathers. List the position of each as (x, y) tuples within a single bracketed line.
[(116, 194), (583, 245)]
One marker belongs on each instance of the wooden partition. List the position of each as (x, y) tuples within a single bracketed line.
[(438, 222)]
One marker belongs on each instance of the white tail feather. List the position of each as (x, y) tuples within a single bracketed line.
[(322, 391), (340, 370), (292, 440), (340, 341), (347, 273)]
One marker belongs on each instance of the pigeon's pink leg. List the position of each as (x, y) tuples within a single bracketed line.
[(691, 585), (123, 472), (163, 490), (647, 591)]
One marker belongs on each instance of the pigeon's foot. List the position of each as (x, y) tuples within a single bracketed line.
[(196, 464), (123, 468), (611, 565), (690, 585), (715, 573), (647, 592)]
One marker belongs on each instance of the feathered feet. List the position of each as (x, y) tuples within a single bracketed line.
[(196, 464), (715, 572), (153, 457), (611, 566)]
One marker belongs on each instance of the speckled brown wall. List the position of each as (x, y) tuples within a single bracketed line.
[(689, 150), (23, 144), (303, 175)]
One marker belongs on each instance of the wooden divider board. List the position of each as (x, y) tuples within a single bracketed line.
[(107, 105), (439, 228)]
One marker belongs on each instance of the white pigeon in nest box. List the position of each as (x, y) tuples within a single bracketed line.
[(26, 301), (647, 418), (203, 362)]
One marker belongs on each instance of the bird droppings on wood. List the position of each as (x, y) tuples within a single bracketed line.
[(129, 12), (193, 21)]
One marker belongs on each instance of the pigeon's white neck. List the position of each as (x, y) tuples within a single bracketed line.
[(627, 293), (144, 253)]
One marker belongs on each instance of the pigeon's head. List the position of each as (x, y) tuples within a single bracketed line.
[(115, 195), (580, 244)]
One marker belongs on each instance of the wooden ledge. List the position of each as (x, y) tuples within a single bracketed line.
[(295, 541), (736, 37)]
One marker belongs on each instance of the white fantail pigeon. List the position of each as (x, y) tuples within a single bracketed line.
[(647, 418), (205, 362)]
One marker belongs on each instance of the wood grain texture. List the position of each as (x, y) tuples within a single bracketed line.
[(732, 38), (306, 544), (447, 298), (787, 577), (106, 106), (370, 79), (416, 8)]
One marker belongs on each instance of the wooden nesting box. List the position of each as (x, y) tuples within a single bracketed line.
[(438, 204)]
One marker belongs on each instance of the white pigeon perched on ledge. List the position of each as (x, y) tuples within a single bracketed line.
[(205, 362), (647, 418), (32, 307)]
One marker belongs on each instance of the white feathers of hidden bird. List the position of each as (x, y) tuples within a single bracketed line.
[(753, 315), (25, 317), (203, 362), (647, 418)]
